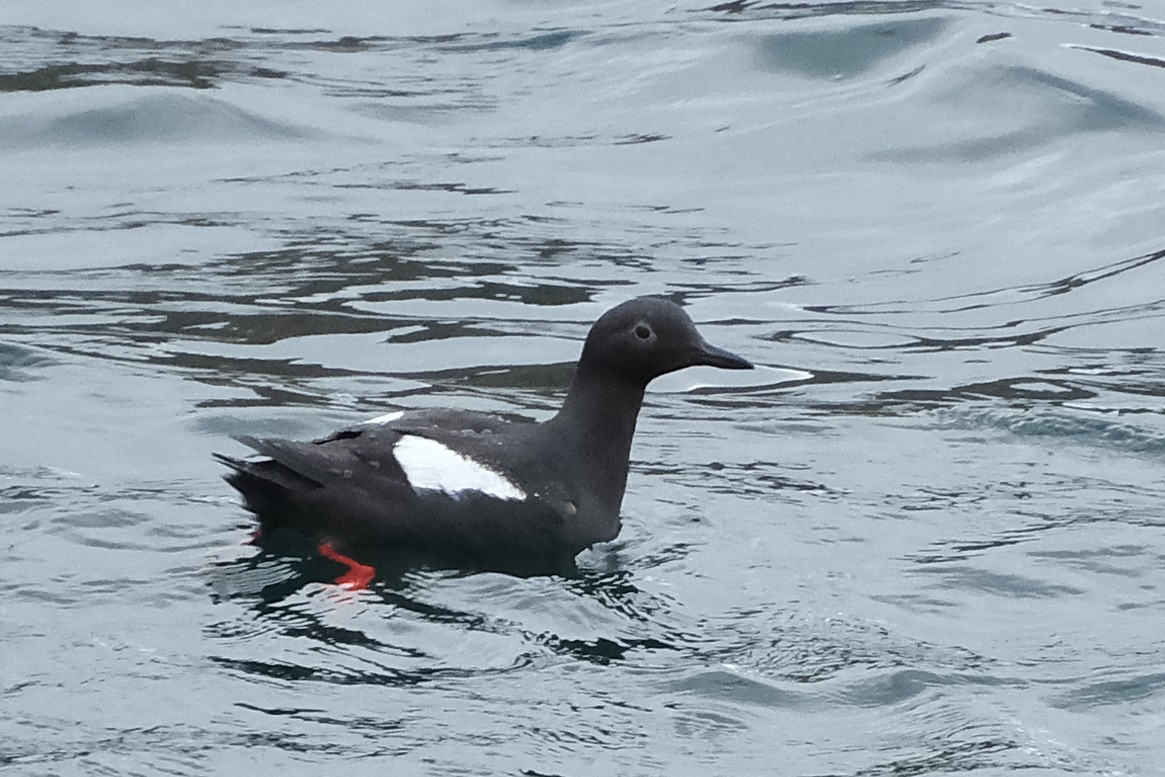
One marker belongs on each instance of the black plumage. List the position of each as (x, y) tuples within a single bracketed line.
[(559, 484)]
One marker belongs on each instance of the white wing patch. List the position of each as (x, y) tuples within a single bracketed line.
[(384, 419), (429, 464)]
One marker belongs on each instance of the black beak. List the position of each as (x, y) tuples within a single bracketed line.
[(718, 357)]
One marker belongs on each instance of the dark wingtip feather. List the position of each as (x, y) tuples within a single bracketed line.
[(238, 465)]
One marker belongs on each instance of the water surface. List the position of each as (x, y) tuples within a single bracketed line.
[(924, 537)]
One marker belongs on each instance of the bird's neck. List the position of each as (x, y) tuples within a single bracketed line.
[(597, 421)]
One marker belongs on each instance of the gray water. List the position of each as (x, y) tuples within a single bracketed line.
[(925, 537)]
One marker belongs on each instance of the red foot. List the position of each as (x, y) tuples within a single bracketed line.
[(358, 575)]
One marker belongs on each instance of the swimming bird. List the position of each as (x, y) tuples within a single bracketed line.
[(474, 488)]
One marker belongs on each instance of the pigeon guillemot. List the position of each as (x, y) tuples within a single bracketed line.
[(478, 488)]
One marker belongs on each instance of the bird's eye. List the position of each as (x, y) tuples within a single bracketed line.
[(643, 331)]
